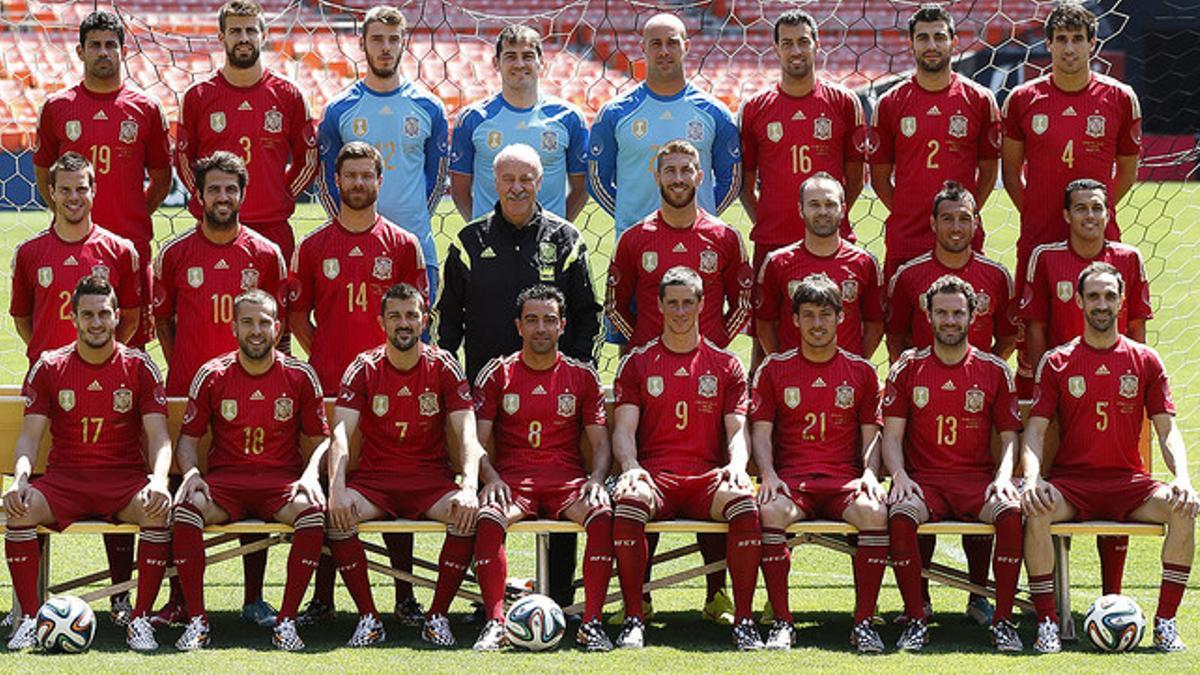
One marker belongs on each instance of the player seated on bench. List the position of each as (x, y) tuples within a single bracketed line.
[(536, 404), (97, 396), (1099, 386)]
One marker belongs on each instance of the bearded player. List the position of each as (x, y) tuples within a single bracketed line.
[(1099, 386), (941, 405), (537, 405), (97, 397), (815, 411)]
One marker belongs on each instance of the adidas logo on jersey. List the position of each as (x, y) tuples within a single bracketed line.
[(1070, 111), (95, 386), (679, 248), (221, 265), (949, 386), (666, 115), (257, 396), (682, 372), (933, 111), (539, 390), (100, 115), (71, 261), (1102, 370), (487, 253), (356, 252), (522, 125), (245, 106), (799, 115), (404, 391), (818, 382), (385, 110)]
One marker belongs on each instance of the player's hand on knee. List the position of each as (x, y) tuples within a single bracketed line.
[(1183, 498), (343, 515), (869, 486), (904, 489), (628, 483), (16, 499), (736, 477), (1002, 489), (1038, 497), (156, 498), (593, 494), (310, 488), (771, 487), (192, 483), (464, 510), (496, 492)]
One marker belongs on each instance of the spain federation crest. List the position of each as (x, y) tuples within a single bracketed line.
[(775, 131), (1128, 386), (908, 125), (708, 386), (1065, 290), (73, 129), (216, 122), (1077, 386), (849, 290), (100, 271), (1040, 123), (128, 132), (791, 396), (494, 139), (66, 399), (566, 405), (958, 126), (382, 269), (45, 276), (379, 404), (649, 260), (285, 408), (195, 277), (273, 121), (427, 404), (708, 262), (331, 267), (844, 397), (974, 400), (695, 131), (358, 126), (511, 403), (249, 278), (1095, 126), (229, 409), (412, 127), (639, 128), (122, 400), (654, 385), (549, 141), (822, 128), (920, 396)]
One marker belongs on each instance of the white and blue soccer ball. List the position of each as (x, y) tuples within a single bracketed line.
[(1114, 623), (65, 624), (536, 623)]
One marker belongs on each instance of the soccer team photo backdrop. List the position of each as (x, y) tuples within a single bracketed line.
[(592, 53)]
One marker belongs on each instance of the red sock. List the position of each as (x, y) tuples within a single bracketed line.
[(1112, 552), (978, 549), (325, 579), (1174, 581), (188, 548), (597, 561), (776, 565), (24, 560), (352, 563), (902, 528), (927, 544), (1041, 588), (118, 548), (491, 562), (452, 567), (630, 550), (743, 553), (1006, 561), (307, 535), (254, 569), (712, 548), (154, 553), (870, 560), (400, 554)]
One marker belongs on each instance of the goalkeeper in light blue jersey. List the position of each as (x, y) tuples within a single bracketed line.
[(406, 123), (519, 113), (632, 127)]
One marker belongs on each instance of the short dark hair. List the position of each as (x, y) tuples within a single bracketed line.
[(256, 296), (930, 14), (402, 291), (544, 292), (681, 276), (820, 176), (71, 162), (676, 147), (1099, 267), (1079, 185), (948, 284), (93, 284), (240, 8), (385, 15), (817, 289), (358, 150), (1070, 15), (796, 17), (516, 32), (225, 162), (953, 191), (101, 20)]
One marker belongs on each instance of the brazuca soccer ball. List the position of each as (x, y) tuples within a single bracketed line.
[(1114, 623), (536, 623), (65, 624)]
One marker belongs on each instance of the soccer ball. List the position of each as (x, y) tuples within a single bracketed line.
[(1114, 623), (536, 623), (65, 624)]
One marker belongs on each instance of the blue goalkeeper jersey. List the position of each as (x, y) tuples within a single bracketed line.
[(408, 127), (553, 127), (628, 133)]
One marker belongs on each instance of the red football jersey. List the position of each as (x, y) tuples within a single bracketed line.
[(123, 133), (403, 413), (648, 249), (539, 415), (853, 269), (1099, 396), (46, 270), (267, 125), (341, 276), (683, 400), (1069, 135), (931, 137), (994, 308), (818, 410), (788, 138), (1049, 294), (195, 282), (256, 420), (951, 410), (95, 410)]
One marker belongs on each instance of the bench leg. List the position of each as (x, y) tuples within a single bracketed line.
[(43, 574), (1062, 586), (543, 563)]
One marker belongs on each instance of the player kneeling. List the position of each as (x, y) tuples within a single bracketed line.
[(813, 409), (939, 410), (97, 396), (404, 394), (1099, 386), (536, 404), (256, 401)]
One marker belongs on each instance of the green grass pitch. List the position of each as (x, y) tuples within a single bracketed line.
[(1160, 218)]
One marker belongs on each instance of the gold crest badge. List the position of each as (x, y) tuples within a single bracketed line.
[(1065, 290), (511, 403), (382, 269), (708, 386), (122, 401), (229, 409), (45, 276), (566, 405), (1095, 126), (273, 121), (649, 260), (494, 139), (639, 128), (1128, 386), (974, 401), (775, 131), (66, 399), (822, 128), (908, 126), (849, 290), (379, 404), (331, 267), (285, 408), (128, 132), (1077, 386), (844, 397), (654, 385), (427, 404), (920, 396), (1040, 123), (958, 126), (791, 397), (708, 262), (249, 279), (74, 129), (216, 122), (358, 126), (195, 276)]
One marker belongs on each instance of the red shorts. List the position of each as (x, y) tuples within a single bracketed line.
[(1099, 496), (280, 233), (407, 497), (545, 498), (259, 494), (686, 496), (954, 496), (79, 493), (822, 496)]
